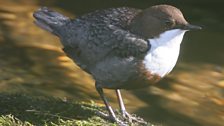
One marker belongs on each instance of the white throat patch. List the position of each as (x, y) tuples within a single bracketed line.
[(164, 51)]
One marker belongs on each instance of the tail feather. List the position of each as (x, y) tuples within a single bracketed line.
[(49, 20)]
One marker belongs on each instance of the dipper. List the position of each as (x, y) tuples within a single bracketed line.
[(122, 48)]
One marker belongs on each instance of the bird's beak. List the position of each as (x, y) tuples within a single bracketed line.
[(191, 27)]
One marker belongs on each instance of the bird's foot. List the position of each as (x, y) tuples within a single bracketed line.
[(111, 118), (131, 118)]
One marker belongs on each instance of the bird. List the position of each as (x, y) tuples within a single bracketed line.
[(121, 48)]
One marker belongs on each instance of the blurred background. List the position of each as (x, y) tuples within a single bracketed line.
[(32, 62)]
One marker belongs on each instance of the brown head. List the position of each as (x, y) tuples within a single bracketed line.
[(157, 19)]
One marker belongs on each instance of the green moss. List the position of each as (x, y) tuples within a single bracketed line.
[(10, 120), (23, 110)]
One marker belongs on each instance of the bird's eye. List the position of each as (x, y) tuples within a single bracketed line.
[(169, 23)]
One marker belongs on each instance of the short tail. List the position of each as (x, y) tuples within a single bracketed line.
[(49, 20)]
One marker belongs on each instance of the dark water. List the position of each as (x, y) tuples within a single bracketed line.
[(32, 62)]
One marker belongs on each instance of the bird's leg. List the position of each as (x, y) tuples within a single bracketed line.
[(121, 103), (124, 113), (109, 108)]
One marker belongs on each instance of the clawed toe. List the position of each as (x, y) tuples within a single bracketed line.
[(111, 118), (131, 118)]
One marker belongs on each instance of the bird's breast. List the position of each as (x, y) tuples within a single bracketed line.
[(164, 52), (161, 60)]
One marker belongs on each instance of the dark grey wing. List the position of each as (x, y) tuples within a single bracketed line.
[(109, 40), (127, 44)]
